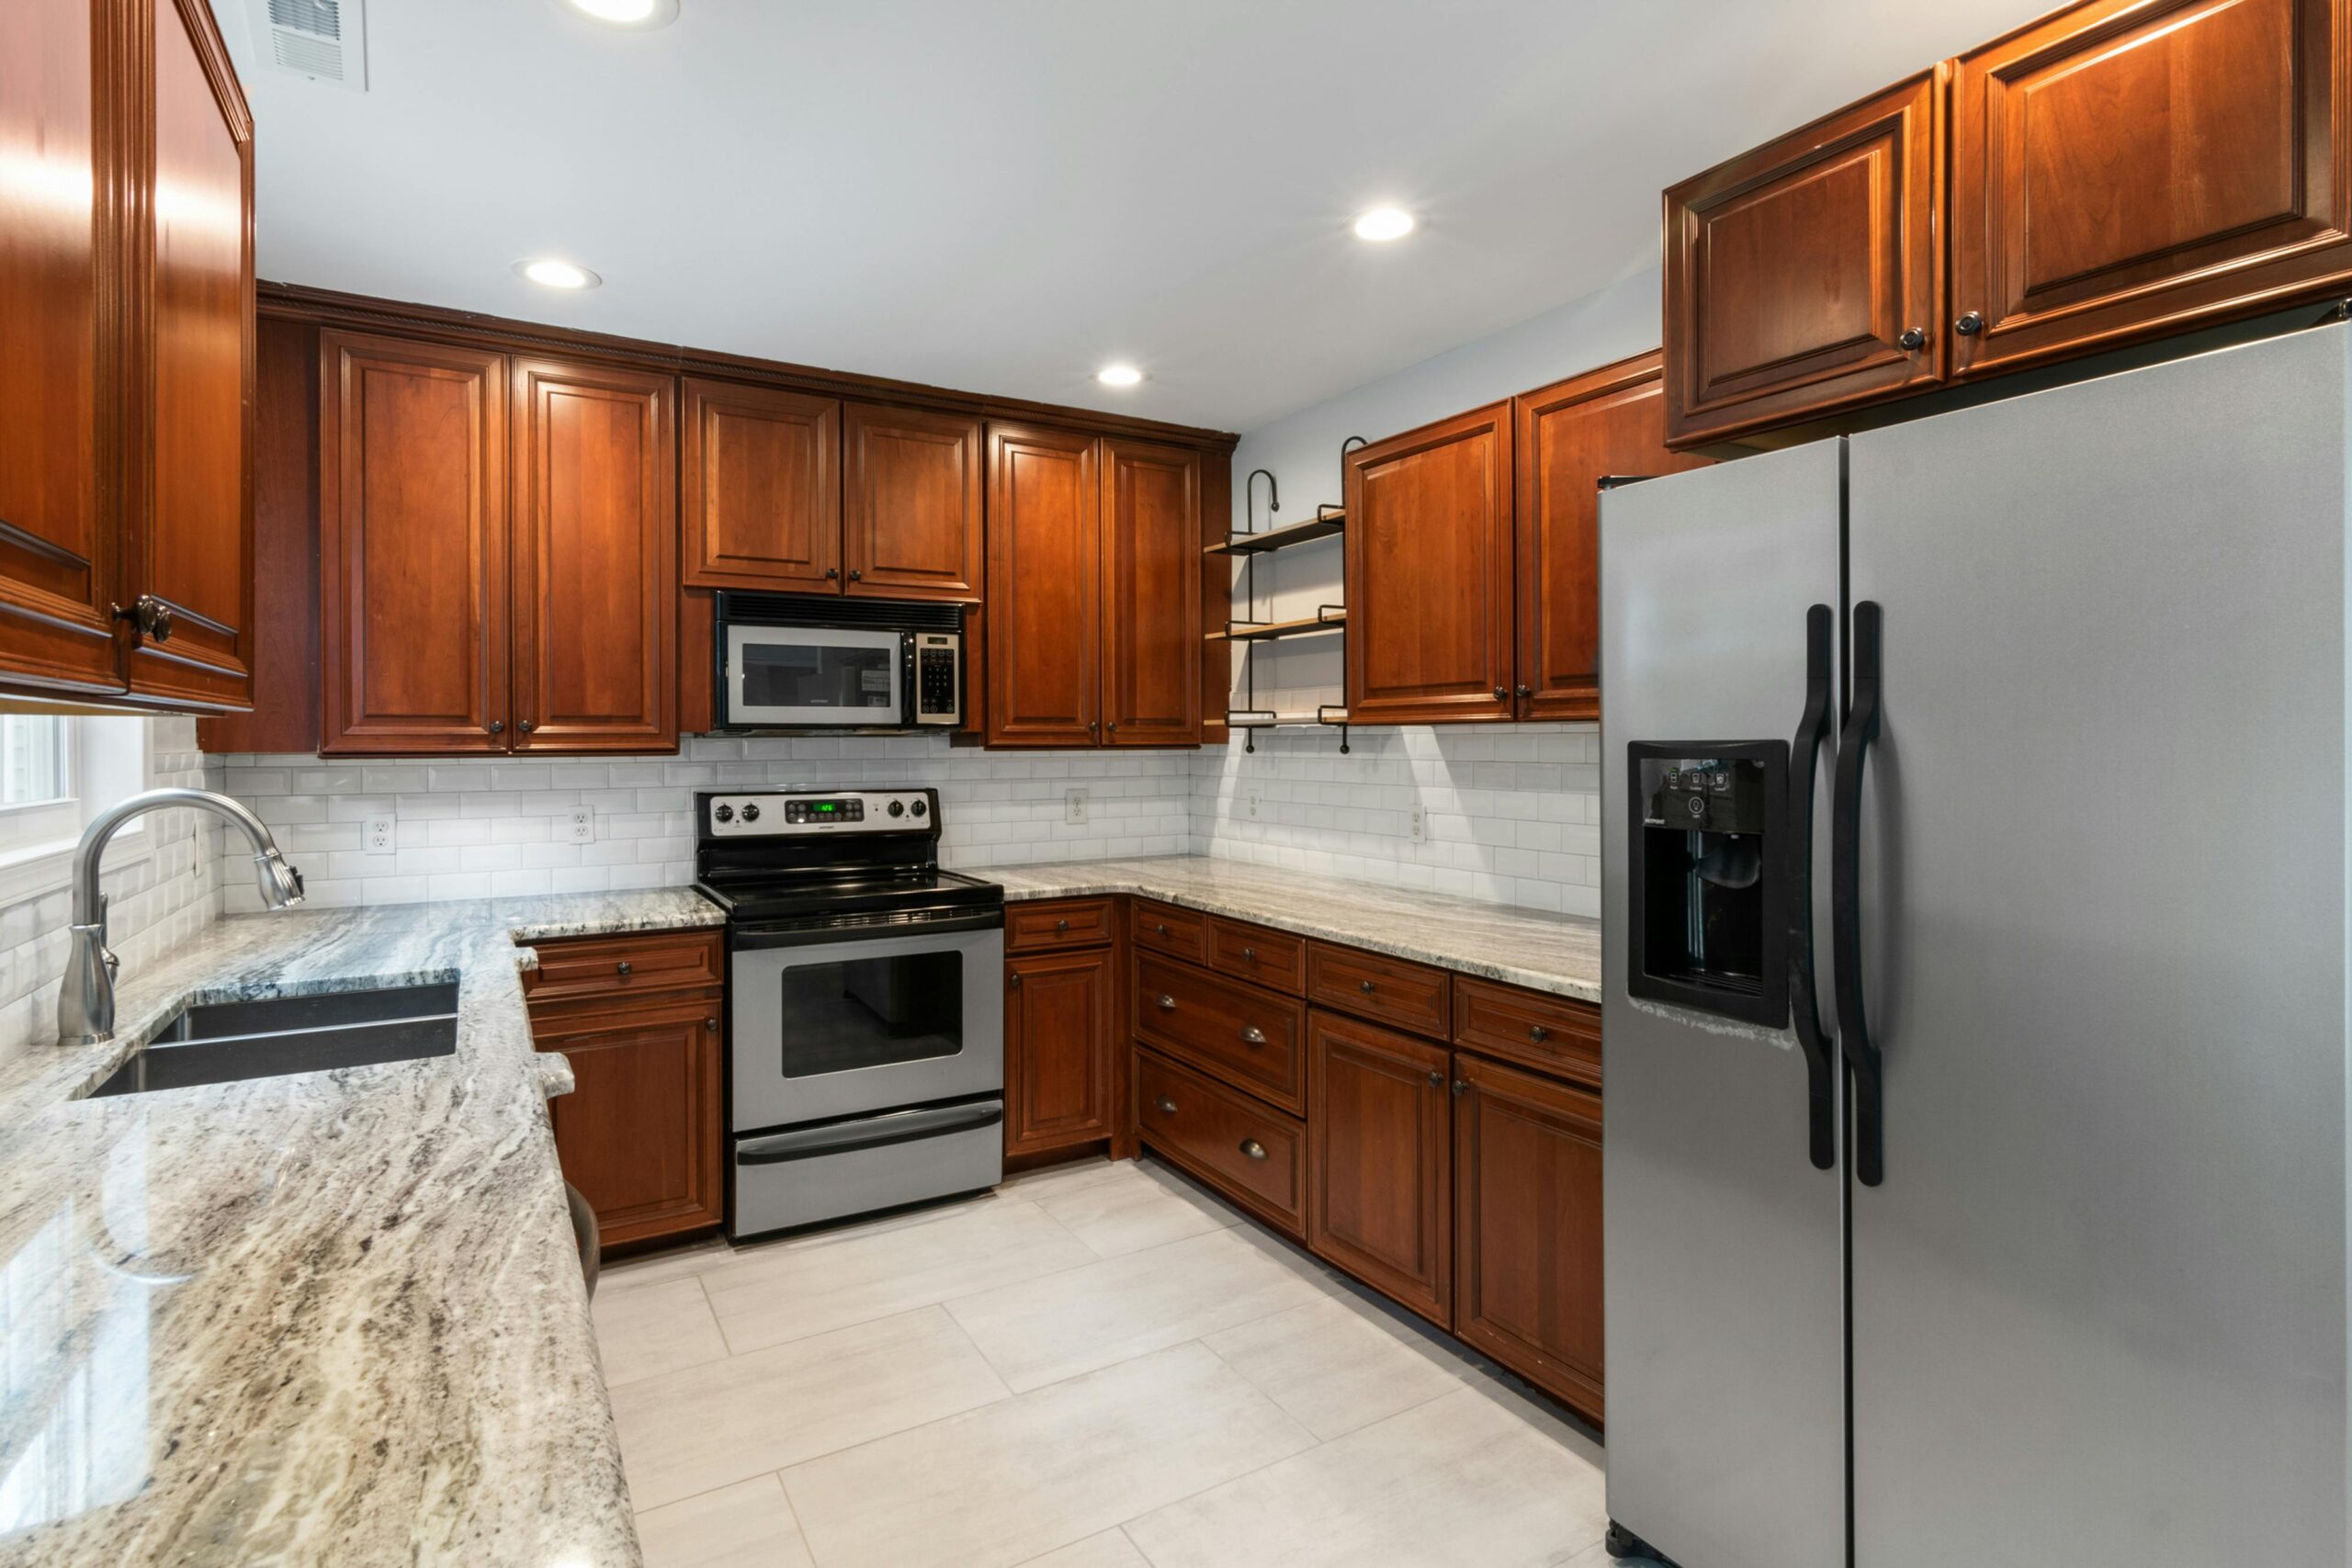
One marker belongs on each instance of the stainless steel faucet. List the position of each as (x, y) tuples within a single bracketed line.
[(86, 1005)]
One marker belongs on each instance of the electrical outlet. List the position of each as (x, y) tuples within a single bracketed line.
[(1254, 802), (378, 836), (1420, 824), (1073, 806), (582, 827)]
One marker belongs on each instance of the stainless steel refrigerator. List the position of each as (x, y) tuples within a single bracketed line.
[(1975, 844)]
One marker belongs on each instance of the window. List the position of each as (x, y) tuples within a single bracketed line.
[(58, 771)]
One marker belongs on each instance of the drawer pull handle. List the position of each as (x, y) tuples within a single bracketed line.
[(1248, 956), (1253, 1034), (1537, 1033), (1061, 925), (1437, 1079), (622, 967), (1253, 1148), (1167, 1003), (1167, 1106), (1161, 927), (1366, 987)]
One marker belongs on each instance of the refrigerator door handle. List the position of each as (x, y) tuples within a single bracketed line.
[(1813, 730), (1846, 899)]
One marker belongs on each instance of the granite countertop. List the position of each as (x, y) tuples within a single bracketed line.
[(330, 1317), (1560, 953)]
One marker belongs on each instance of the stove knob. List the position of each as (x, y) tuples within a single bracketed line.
[(751, 812), (725, 814), (922, 809), (898, 808)]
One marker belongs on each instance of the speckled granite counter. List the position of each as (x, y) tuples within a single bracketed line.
[(328, 1318), (1560, 953)]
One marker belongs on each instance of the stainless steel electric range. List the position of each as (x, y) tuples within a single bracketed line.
[(866, 1005)]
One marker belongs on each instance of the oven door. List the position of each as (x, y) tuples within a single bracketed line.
[(820, 677), (837, 1028)]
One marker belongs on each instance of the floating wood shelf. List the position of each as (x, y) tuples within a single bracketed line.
[(1330, 619), (1327, 521)]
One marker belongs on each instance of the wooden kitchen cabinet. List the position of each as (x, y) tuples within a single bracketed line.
[(1045, 588), (1527, 1275), (1151, 603), (760, 488), (1060, 1040), (2128, 168), (910, 506), (642, 1133), (1379, 1160), (1807, 275), (1429, 572), (1569, 435)]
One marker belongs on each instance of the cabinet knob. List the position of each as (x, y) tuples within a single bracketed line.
[(857, 574), (622, 967), (150, 615), (1537, 1033), (1502, 693), (1013, 979), (1365, 987), (1436, 1077), (1461, 1087), (711, 1024), (1524, 690), (831, 572), (1167, 1003), (1248, 956), (1167, 1106), (1094, 723), (1161, 927), (1253, 1148), (526, 725), (1969, 325), (498, 727), (1252, 1034), (1913, 340), (1061, 925)]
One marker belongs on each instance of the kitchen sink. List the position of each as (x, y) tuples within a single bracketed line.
[(226, 1041)]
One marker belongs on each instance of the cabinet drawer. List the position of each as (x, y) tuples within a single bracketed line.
[(623, 966), (1247, 1037), (1254, 953), (1064, 922), (1252, 1153), (1386, 990), (1164, 928), (1550, 1033)]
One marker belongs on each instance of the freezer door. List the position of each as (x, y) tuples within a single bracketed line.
[(2098, 1301), (1722, 1241)]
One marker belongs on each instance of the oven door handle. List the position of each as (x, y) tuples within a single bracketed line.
[(750, 939), (870, 1133)]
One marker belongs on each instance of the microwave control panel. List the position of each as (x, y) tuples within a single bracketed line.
[(938, 679)]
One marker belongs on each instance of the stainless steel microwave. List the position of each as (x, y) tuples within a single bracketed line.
[(790, 661)]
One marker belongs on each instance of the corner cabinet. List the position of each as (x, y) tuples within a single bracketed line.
[(1093, 583), (126, 390)]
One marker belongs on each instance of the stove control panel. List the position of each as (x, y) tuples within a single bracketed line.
[(779, 813)]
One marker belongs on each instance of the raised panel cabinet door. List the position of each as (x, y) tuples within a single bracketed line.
[(57, 566), (2128, 168), (1807, 275), (1044, 589), (1380, 1139), (1429, 572), (594, 560), (413, 536), (1151, 584), (189, 545), (1527, 1228), (1570, 435), (640, 1134), (759, 479), (1058, 1043), (911, 503)]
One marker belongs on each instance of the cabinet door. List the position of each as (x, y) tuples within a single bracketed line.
[(641, 1135), (1794, 273), (1379, 1140), (1527, 1226), (2125, 169), (190, 543), (760, 485), (1610, 421), (56, 565), (1151, 584), (412, 627), (910, 521), (1059, 1050), (595, 559), (1429, 572), (1045, 588)]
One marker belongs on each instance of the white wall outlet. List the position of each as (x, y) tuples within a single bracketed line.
[(1073, 806), (1252, 801), (1420, 828), (378, 836), (580, 828)]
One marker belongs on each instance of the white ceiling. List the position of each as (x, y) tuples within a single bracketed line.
[(1003, 195)]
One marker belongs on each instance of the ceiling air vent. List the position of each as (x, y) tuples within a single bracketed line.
[(325, 40)]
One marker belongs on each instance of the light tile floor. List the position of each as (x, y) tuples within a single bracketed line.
[(1097, 1366)]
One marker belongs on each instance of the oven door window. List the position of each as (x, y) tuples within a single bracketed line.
[(871, 1012), (818, 673)]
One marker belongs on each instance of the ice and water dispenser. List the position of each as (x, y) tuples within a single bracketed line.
[(1708, 886)]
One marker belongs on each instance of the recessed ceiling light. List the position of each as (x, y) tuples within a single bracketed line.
[(1384, 224), (549, 273), (1118, 375), (629, 13)]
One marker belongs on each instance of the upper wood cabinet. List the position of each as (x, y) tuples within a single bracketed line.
[(1569, 435), (1807, 275), (1151, 585), (910, 517), (1429, 572), (125, 379), (2131, 167), (760, 484)]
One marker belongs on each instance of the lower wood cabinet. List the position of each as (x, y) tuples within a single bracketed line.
[(1379, 1148), (1527, 1228), (1244, 1148), (1059, 1028)]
